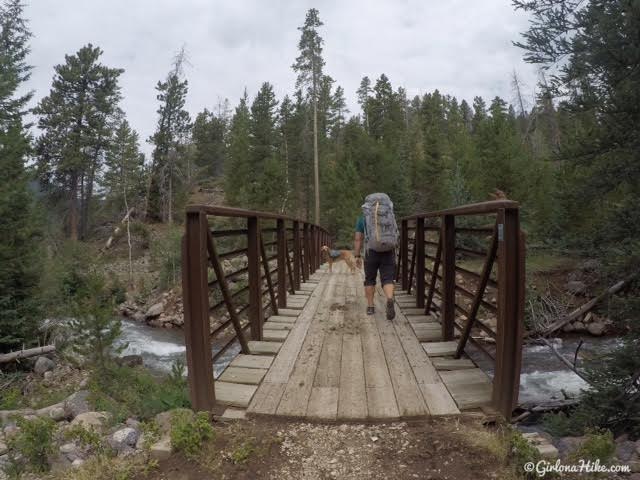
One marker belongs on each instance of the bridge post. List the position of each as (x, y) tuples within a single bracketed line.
[(256, 315), (297, 273), (448, 306), (510, 321), (306, 265), (404, 254), (196, 312), (419, 259), (282, 263)]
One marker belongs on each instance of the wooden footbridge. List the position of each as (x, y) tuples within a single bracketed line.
[(256, 282)]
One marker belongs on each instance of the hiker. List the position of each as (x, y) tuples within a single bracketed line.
[(377, 226)]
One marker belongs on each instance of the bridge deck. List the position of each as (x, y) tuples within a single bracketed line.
[(325, 359)]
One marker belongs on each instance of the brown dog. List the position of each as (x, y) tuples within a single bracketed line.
[(345, 255)]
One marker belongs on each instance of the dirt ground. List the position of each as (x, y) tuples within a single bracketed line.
[(266, 449)]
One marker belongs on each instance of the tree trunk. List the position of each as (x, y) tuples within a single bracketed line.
[(73, 207), (316, 168)]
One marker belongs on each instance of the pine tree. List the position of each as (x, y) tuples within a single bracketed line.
[(309, 65), (18, 234), (209, 134), (77, 119), (238, 165), (364, 97), (169, 140)]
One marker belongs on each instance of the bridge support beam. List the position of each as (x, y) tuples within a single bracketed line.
[(448, 306), (196, 312), (419, 259), (404, 254), (281, 238), (511, 298), (297, 265), (256, 314)]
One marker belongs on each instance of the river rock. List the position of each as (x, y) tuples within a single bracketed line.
[(77, 403), (77, 462), (123, 439), (161, 450), (43, 364), (155, 310), (625, 450), (596, 328), (578, 326), (131, 360), (71, 451), (57, 413), (3, 448), (95, 420), (567, 445), (163, 419)]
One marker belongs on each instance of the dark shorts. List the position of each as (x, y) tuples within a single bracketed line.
[(384, 262)]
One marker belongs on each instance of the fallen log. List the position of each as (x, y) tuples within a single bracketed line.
[(29, 352), (587, 307), (116, 231), (561, 357)]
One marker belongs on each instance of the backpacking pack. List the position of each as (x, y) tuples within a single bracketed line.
[(381, 230)]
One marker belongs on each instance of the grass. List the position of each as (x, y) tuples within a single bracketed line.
[(133, 392), (104, 467)]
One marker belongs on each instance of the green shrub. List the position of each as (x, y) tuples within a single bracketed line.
[(189, 430), (30, 447), (242, 453), (85, 437), (598, 445), (126, 391), (167, 257), (11, 399), (522, 452)]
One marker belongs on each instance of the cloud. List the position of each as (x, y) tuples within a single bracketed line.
[(460, 47)]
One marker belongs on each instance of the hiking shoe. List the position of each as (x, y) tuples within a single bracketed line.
[(391, 311), (371, 310)]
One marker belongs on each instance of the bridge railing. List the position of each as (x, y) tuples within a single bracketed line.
[(237, 267), (468, 264)]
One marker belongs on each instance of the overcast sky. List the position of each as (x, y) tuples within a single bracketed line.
[(461, 47)]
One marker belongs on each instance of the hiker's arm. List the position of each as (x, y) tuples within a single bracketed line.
[(357, 245)]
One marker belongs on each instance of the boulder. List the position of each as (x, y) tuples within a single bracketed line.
[(161, 450), (596, 328), (57, 413), (625, 450), (77, 403), (130, 360), (71, 451), (77, 462), (138, 317), (567, 445), (123, 439), (163, 419), (43, 364), (155, 310), (95, 420), (3, 448), (578, 326)]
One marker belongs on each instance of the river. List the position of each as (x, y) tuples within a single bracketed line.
[(543, 376)]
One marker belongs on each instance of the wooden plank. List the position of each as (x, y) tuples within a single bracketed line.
[(352, 400), (251, 376), (235, 394), (282, 318), (286, 312), (266, 399), (422, 319), (428, 332), (285, 361), (296, 395), (252, 361), (278, 325), (442, 363), (264, 348), (233, 413), (464, 377), (412, 311), (436, 397), (328, 371), (323, 403), (274, 335), (408, 395), (440, 349)]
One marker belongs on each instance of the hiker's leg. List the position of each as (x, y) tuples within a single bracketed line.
[(387, 273), (370, 273), (388, 290), (369, 292)]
